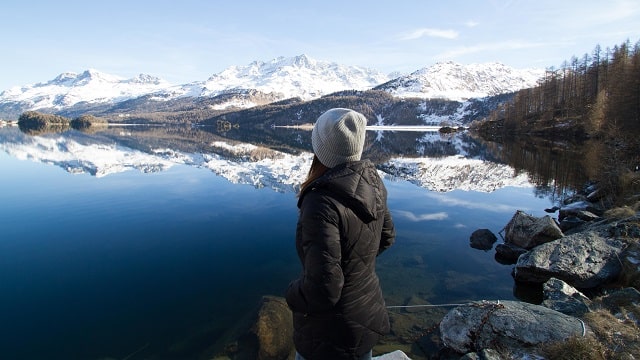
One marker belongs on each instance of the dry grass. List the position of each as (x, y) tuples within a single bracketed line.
[(610, 338), (575, 348), (630, 274), (620, 336), (620, 212)]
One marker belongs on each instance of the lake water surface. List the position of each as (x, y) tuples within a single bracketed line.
[(125, 245)]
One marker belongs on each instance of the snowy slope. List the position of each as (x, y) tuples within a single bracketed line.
[(299, 76), (453, 81), (280, 78), (91, 86)]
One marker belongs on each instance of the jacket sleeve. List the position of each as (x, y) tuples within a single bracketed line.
[(388, 232), (320, 286)]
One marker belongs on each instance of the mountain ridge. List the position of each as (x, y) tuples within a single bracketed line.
[(281, 78), (454, 81)]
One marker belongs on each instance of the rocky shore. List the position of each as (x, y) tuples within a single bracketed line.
[(587, 262)]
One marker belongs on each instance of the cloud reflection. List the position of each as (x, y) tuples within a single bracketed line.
[(420, 217), (450, 201)]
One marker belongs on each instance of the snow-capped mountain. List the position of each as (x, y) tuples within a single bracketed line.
[(453, 81), (91, 86), (300, 76), (278, 79)]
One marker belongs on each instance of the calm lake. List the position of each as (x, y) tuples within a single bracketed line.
[(150, 242)]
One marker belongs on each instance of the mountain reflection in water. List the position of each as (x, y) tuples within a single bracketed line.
[(160, 239)]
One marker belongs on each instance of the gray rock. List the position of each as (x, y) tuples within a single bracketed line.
[(508, 253), (510, 324), (484, 354), (630, 259), (621, 300), (570, 222), (580, 205), (528, 231), (482, 239), (581, 214), (584, 260), (595, 195), (394, 355), (562, 297), (627, 228)]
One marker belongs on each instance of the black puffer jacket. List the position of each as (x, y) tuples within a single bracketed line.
[(339, 311)]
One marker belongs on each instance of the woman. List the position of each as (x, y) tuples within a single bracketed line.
[(344, 223)]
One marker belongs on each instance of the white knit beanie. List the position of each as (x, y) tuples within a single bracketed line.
[(338, 136)]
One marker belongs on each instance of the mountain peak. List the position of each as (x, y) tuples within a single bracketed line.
[(459, 82), (303, 61), (298, 76), (90, 86), (145, 79)]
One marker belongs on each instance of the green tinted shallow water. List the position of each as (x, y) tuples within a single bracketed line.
[(166, 262)]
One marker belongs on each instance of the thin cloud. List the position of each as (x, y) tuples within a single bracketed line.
[(471, 24), (508, 45), (426, 32), (421, 217)]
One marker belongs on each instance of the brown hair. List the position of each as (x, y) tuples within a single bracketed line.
[(316, 170)]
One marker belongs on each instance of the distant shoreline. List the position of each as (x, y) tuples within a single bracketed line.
[(372, 127), (403, 127)]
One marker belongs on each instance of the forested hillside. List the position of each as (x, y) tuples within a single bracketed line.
[(594, 95), (593, 101)]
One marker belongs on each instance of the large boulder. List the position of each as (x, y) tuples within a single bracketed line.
[(562, 297), (528, 231), (584, 260), (509, 324)]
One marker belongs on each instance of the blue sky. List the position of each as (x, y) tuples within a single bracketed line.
[(189, 40)]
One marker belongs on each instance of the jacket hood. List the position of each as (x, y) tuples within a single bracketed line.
[(356, 185)]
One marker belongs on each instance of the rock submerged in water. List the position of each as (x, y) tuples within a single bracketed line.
[(508, 324), (268, 336), (482, 239)]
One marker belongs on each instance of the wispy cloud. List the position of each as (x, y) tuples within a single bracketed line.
[(420, 217), (471, 24), (495, 47), (427, 32)]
